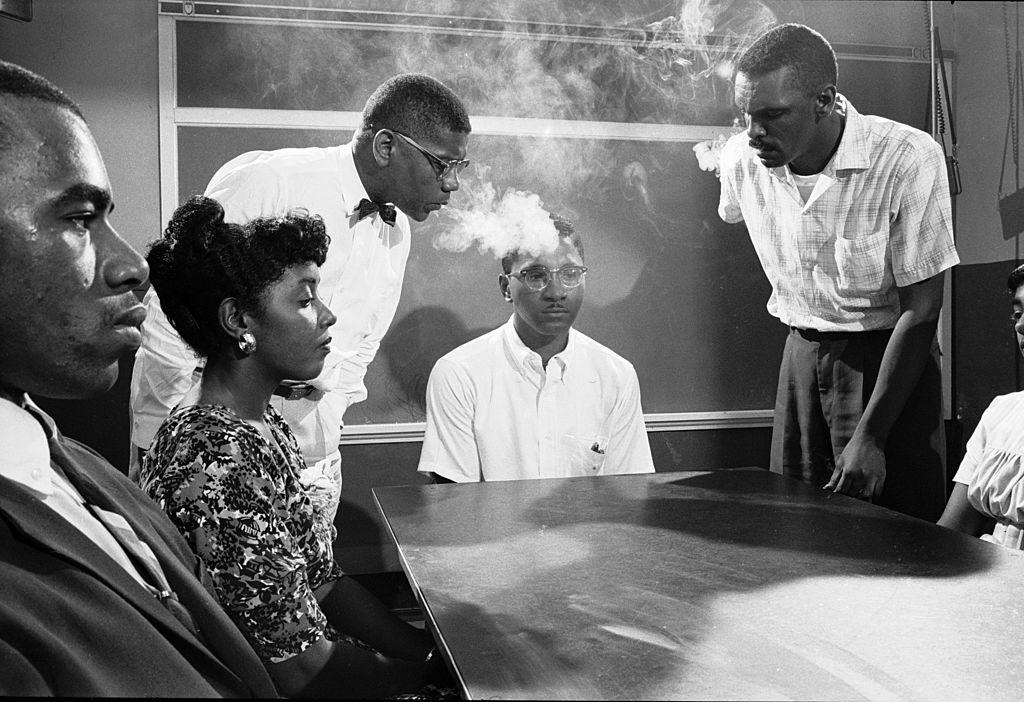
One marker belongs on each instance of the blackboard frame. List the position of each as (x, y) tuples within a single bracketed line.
[(175, 118)]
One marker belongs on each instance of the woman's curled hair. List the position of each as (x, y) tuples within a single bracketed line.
[(201, 260)]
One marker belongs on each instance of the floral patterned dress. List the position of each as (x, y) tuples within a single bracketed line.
[(238, 501)]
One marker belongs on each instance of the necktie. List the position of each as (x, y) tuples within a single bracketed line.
[(367, 208), (147, 560)]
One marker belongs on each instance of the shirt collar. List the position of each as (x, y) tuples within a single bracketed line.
[(24, 445), (854, 148), (525, 359), (352, 189)]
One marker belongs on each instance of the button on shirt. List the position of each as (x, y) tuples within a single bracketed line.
[(878, 217), (25, 459), (495, 413), (361, 281)]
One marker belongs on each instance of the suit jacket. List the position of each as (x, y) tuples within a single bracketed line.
[(73, 622)]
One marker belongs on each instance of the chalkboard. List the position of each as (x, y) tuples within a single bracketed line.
[(671, 287)]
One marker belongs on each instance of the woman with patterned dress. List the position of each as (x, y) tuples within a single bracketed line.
[(988, 497), (226, 469)]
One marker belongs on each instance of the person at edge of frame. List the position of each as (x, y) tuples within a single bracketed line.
[(101, 595)]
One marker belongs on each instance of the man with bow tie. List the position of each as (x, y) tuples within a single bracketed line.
[(403, 162), (101, 595)]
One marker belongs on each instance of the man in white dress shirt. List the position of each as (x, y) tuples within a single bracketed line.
[(535, 398), (403, 162)]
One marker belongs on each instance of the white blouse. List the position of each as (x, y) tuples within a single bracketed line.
[(993, 469)]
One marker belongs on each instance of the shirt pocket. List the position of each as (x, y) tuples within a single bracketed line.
[(861, 262), (584, 454)]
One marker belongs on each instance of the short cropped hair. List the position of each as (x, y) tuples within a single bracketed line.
[(201, 260), (20, 82), (23, 83), (415, 104), (795, 46), (566, 230), (1015, 280)]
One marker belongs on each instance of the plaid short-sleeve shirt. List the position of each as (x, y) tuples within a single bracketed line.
[(879, 218)]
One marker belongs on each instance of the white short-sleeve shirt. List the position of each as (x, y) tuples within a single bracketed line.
[(993, 468), (494, 413)]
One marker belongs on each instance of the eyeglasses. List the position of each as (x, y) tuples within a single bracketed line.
[(539, 277), (444, 167)]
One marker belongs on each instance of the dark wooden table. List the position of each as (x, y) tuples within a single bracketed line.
[(734, 584)]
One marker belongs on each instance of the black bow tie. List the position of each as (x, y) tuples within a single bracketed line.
[(367, 208)]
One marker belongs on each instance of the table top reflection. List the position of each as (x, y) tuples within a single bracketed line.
[(737, 584)]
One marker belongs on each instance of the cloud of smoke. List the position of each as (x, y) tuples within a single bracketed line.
[(609, 62), (693, 51), (514, 220), (615, 65)]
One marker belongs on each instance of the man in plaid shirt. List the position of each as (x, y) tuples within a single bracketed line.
[(850, 218)]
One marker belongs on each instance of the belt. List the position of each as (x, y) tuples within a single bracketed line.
[(294, 391), (815, 335)]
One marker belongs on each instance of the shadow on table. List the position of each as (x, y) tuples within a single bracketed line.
[(742, 507), (871, 539), (743, 531)]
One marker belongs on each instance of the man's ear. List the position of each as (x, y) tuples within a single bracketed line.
[(233, 320), (825, 103), (503, 286), (383, 147)]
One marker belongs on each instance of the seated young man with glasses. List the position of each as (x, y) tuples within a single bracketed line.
[(535, 398)]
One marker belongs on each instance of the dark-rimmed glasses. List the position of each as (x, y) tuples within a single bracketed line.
[(537, 278), (444, 167)]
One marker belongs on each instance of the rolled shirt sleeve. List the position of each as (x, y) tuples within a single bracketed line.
[(449, 444)]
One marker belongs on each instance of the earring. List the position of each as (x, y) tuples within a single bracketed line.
[(247, 343)]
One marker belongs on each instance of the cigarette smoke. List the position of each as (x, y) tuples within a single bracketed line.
[(614, 61), (674, 69), (693, 51), (515, 220)]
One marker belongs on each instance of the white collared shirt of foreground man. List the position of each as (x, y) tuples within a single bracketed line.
[(494, 413)]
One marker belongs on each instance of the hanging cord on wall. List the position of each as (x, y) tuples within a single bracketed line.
[(1010, 85), (1011, 205), (929, 22), (1016, 94), (942, 98), (939, 100)]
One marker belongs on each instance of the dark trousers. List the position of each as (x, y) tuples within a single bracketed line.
[(825, 382)]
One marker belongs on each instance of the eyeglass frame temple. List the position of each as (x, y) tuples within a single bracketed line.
[(447, 166)]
